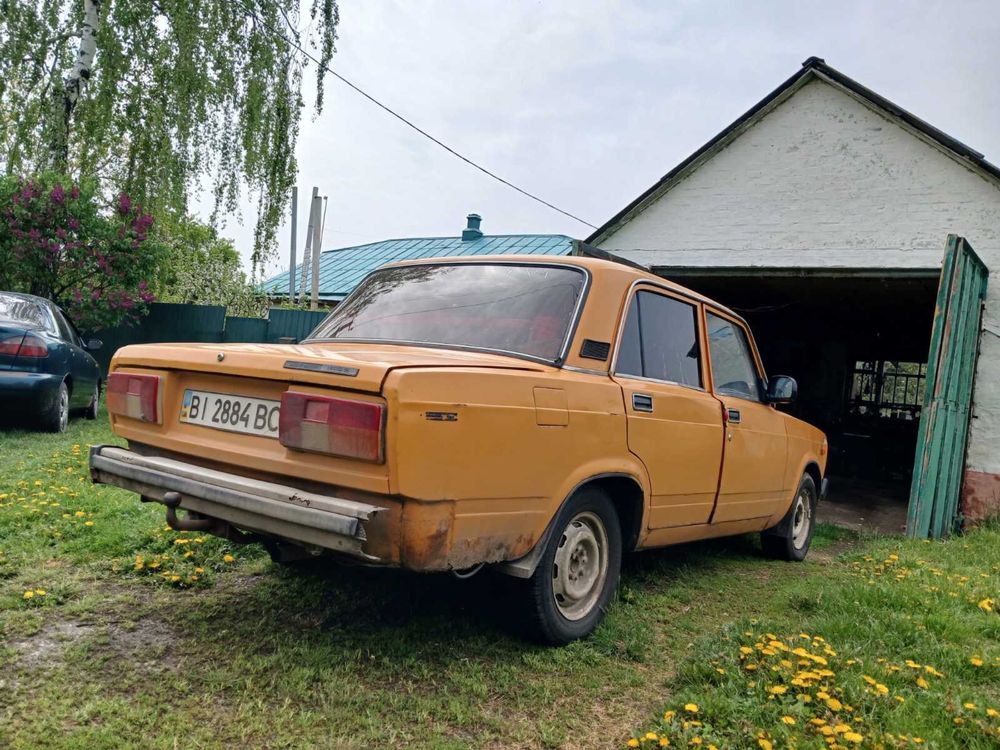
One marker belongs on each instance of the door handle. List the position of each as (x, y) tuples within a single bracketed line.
[(733, 416), (642, 402)]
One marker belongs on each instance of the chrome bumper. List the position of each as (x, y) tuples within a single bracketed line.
[(286, 512)]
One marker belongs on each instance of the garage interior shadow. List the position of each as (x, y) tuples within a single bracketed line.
[(857, 343)]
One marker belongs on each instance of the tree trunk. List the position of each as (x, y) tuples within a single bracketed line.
[(66, 100)]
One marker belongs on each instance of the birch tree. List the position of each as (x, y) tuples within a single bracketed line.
[(162, 98)]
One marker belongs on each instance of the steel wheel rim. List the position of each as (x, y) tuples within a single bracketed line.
[(580, 567), (63, 409), (801, 520)]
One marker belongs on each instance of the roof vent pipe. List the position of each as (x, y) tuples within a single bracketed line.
[(471, 231)]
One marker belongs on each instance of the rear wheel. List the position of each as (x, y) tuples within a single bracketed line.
[(55, 418), (573, 584), (790, 539)]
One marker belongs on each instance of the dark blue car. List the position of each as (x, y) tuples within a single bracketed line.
[(45, 370)]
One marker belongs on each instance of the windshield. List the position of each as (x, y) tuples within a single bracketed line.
[(523, 309), (22, 310)]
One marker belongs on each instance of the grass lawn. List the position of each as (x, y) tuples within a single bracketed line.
[(116, 632)]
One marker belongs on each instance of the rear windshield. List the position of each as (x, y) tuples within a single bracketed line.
[(21, 310), (522, 309)]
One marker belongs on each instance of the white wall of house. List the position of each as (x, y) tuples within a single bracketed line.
[(825, 181)]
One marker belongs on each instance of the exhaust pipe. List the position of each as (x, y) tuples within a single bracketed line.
[(173, 501)]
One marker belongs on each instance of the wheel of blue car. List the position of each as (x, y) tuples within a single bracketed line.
[(95, 403), (578, 573), (790, 539), (55, 418)]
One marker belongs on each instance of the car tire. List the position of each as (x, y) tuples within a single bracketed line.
[(95, 402), (55, 418), (568, 594), (790, 539)]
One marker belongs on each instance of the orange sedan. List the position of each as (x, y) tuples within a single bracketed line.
[(538, 416)]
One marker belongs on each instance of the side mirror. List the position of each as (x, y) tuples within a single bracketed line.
[(92, 345), (782, 389)]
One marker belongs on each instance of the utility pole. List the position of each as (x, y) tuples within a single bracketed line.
[(316, 248), (295, 221), (309, 237)]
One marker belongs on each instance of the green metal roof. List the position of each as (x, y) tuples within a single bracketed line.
[(341, 270)]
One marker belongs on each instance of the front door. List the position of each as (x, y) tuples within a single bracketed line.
[(753, 469), (674, 424)]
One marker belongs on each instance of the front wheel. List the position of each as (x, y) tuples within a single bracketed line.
[(95, 403), (790, 539), (573, 584)]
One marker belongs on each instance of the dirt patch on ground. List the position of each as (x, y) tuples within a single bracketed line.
[(45, 647), (145, 642)]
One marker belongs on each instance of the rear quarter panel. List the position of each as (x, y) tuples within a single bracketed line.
[(806, 445), (517, 445)]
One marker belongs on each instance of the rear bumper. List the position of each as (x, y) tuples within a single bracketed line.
[(28, 391), (286, 512)]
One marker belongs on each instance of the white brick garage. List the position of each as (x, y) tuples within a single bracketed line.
[(848, 200)]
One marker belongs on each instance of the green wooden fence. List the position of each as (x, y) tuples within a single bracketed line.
[(944, 419), (167, 322)]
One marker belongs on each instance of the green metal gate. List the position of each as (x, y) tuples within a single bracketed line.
[(944, 419)]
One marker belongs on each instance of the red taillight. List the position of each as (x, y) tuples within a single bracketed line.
[(26, 345), (32, 346), (136, 396), (338, 426), (11, 344)]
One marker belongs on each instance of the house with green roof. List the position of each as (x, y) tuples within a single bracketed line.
[(342, 269)]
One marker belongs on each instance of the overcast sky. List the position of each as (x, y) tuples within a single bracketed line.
[(587, 103)]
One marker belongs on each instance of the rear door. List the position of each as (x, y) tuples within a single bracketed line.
[(674, 424), (753, 467), (80, 365)]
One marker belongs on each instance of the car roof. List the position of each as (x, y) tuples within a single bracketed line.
[(595, 265)]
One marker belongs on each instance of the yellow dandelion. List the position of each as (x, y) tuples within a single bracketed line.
[(853, 737), (986, 605), (777, 690), (691, 708), (788, 720), (969, 706), (228, 558), (765, 744), (664, 742), (650, 736), (88, 523), (921, 682), (633, 742), (976, 661), (29, 594), (40, 592), (992, 712)]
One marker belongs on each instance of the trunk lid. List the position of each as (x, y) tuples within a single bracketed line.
[(351, 366), (264, 372)]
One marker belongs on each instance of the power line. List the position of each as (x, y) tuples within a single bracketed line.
[(295, 45)]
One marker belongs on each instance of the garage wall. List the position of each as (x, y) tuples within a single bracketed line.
[(825, 181)]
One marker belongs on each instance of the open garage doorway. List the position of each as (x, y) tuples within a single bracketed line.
[(857, 343)]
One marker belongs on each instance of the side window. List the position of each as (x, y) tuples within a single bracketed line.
[(733, 368), (660, 340), (65, 330)]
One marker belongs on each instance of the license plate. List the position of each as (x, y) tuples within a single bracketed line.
[(224, 411)]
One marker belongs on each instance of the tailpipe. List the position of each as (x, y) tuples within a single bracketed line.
[(172, 500)]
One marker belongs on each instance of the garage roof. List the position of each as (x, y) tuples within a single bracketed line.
[(814, 67)]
